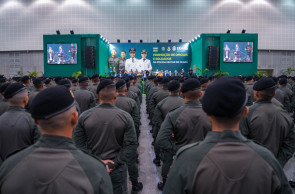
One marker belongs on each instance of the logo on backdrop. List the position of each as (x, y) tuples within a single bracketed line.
[(174, 48), (168, 49), (163, 48)]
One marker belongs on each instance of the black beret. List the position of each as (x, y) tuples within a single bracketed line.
[(74, 81), (57, 79), (2, 80), (104, 83), (225, 97), (95, 76), (13, 89), (181, 80), (173, 85), (132, 50), (165, 80), (3, 87), (159, 79), (120, 84), (51, 102), (127, 79), (47, 81), (25, 79), (83, 79), (204, 81), (131, 77), (37, 81), (65, 82), (264, 83), (190, 84), (275, 79), (249, 78), (283, 81)]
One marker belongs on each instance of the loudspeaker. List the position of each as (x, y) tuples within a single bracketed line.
[(89, 56), (213, 56)]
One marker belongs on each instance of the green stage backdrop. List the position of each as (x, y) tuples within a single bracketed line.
[(163, 56), (100, 48), (200, 53)]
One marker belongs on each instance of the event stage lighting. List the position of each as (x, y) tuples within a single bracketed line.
[(118, 40), (72, 32), (228, 31), (141, 41), (180, 40), (129, 41), (199, 36), (158, 41), (243, 31), (57, 32), (169, 40)]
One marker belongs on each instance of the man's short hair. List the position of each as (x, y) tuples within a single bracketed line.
[(123, 51), (193, 94), (267, 94), (18, 98), (107, 93), (57, 122)]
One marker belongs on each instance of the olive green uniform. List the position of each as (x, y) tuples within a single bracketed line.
[(156, 98), (85, 99), (17, 131), (188, 124), (272, 127), (54, 165), (226, 163), (109, 133), (4, 105), (133, 96)]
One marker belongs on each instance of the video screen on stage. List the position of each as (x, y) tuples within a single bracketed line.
[(235, 52), (62, 53)]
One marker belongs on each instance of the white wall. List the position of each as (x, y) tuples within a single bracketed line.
[(23, 22)]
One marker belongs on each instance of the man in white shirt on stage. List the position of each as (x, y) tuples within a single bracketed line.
[(144, 64), (132, 63)]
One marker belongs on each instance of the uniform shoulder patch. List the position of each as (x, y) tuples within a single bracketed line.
[(181, 150)]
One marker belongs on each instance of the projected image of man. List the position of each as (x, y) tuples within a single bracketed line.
[(113, 62), (50, 54), (60, 56), (144, 64), (73, 51), (226, 53), (249, 50), (122, 62), (237, 54)]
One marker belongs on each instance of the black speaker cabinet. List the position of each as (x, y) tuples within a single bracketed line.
[(89, 55)]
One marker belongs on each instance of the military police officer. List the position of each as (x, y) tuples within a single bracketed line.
[(269, 124), (226, 162), (109, 133), (54, 164), (83, 96), (187, 124), (17, 129)]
